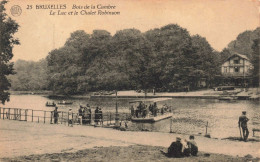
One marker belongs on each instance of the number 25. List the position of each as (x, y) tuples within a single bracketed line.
[(29, 7)]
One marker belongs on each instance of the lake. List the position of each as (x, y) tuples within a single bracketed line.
[(190, 115)]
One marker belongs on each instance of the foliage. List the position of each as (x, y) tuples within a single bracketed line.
[(8, 28), (29, 75), (244, 41), (255, 61)]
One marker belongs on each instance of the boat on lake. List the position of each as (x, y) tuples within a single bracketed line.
[(65, 103), (149, 110), (50, 104)]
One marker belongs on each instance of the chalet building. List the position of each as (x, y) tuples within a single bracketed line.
[(236, 71)]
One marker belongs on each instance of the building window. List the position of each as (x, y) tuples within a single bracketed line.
[(225, 70), (236, 69), (236, 61)]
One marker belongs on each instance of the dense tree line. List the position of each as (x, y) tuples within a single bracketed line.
[(168, 58), (8, 28), (165, 59)]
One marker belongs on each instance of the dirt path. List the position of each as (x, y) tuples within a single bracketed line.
[(21, 138)]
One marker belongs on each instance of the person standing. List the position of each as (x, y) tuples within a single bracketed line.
[(56, 115), (242, 122), (70, 117)]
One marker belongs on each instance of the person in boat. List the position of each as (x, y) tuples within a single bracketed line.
[(56, 115), (144, 113), (132, 111), (70, 113), (155, 109), (151, 108), (175, 149), (242, 122)]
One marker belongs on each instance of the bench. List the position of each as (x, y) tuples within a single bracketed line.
[(255, 130)]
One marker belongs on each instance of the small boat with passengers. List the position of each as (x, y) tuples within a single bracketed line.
[(65, 102), (50, 104), (150, 110)]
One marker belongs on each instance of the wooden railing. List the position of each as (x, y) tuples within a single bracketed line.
[(42, 116)]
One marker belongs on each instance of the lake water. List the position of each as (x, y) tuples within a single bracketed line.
[(190, 116)]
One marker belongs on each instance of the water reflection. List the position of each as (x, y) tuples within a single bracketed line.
[(189, 115)]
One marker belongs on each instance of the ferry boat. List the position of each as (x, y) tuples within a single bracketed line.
[(149, 110)]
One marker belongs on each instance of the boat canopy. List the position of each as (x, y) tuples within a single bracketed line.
[(151, 100)]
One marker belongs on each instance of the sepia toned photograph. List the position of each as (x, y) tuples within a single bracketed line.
[(130, 80)]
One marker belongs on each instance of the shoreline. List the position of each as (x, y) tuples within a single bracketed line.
[(201, 94)]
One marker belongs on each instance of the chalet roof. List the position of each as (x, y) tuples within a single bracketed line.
[(239, 55)]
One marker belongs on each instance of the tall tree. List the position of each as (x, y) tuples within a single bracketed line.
[(255, 61), (8, 28)]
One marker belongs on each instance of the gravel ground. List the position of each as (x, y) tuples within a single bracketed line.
[(125, 154)]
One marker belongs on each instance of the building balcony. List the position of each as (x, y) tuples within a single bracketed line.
[(236, 74), (238, 65)]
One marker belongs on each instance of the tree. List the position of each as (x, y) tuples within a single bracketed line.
[(8, 28), (255, 61)]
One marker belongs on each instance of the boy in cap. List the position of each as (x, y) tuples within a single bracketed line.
[(242, 122), (175, 149)]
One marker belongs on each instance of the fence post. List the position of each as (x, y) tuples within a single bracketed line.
[(110, 117), (51, 118), (72, 120), (26, 114), (68, 119), (20, 114), (61, 116), (3, 113), (44, 116), (9, 112), (32, 115), (207, 128)]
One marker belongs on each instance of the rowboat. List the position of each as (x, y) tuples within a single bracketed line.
[(65, 103), (50, 104), (140, 112)]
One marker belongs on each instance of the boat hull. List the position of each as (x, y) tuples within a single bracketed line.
[(152, 119)]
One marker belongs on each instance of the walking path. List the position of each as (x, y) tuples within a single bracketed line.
[(24, 138)]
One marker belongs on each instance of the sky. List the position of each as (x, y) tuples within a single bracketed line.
[(219, 21)]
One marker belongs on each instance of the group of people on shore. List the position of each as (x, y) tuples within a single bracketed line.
[(183, 148), (84, 115), (142, 110)]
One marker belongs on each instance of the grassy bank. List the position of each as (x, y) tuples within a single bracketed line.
[(129, 153)]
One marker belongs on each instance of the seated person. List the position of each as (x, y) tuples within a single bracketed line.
[(175, 149), (192, 146)]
